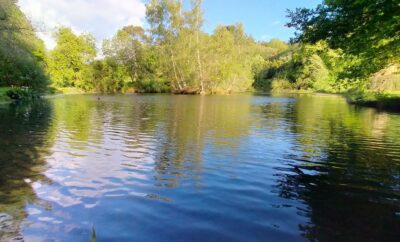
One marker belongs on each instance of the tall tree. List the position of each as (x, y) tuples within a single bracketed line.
[(22, 53), (196, 24), (166, 22), (69, 61), (127, 48), (231, 59)]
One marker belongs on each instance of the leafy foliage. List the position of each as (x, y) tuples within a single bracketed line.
[(23, 94), (342, 45), (22, 54), (194, 61), (304, 67), (68, 62), (368, 29)]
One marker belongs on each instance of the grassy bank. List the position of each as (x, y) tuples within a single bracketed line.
[(383, 100), (380, 100), (3, 95)]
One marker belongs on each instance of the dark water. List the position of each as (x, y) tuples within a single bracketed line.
[(189, 168)]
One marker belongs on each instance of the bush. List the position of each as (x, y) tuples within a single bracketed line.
[(22, 94), (281, 85), (153, 86)]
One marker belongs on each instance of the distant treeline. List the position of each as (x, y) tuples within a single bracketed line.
[(175, 55)]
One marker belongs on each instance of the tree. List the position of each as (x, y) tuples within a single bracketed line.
[(276, 46), (313, 67), (127, 48), (195, 61), (368, 29), (195, 20), (68, 62), (231, 59), (166, 22), (22, 53), (107, 76)]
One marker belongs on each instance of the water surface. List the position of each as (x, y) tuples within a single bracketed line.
[(190, 168)]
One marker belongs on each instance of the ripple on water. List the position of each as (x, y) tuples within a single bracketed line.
[(188, 168)]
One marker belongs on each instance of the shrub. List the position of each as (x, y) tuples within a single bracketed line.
[(281, 85), (22, 94), (153, 86)]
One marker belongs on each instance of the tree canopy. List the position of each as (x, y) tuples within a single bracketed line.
[(339, 45), (22, 53), (67, 63), (368, 29)]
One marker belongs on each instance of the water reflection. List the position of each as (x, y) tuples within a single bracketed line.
[(346, 170), (177, 168), (24, 141)]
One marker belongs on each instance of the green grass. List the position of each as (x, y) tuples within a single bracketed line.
[(380, 100), (3, 96)]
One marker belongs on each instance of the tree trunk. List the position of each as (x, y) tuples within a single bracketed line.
[(175, 72), (202, 90)]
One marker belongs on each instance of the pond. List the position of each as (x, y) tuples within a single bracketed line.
[(192, 168)]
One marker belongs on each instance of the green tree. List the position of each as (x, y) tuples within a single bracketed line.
[(166, 22), (107, 76), (368, 29), (313, 67), (231, 59), (277, 45), (68, 62), (22, 53), (137, 61), (126, 48), (195, 20)]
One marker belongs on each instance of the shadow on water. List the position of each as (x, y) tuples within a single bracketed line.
[(345, 169), (23, 143)]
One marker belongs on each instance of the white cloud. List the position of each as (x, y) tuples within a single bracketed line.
[(276, 23), (100, 17)]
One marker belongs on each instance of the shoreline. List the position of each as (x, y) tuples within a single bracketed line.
[(380, 101)]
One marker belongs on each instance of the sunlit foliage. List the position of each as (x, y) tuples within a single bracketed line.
[(22, 54)]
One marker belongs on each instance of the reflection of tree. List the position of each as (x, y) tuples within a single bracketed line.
[(343, 172), (181, 146), (74, 116), (23, 144), (194, 124)]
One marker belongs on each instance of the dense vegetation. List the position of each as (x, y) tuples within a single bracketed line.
[(173, 55), (22, 54), (367, 29), (340, 46), (367, 33)]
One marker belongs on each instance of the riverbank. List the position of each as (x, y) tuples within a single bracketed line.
[(387, 101), (384, 101), (380, 100)]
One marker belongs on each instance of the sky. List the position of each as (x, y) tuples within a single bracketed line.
[(262, 19)]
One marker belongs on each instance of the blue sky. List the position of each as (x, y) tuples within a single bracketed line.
[(263, 19)]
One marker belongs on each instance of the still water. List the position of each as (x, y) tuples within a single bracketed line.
[(190, 168)]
